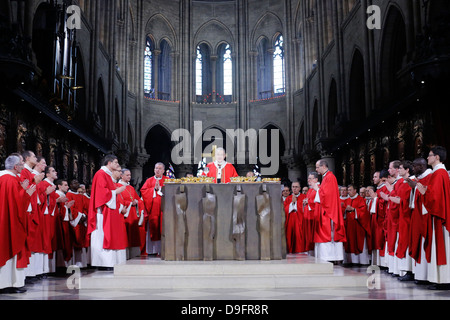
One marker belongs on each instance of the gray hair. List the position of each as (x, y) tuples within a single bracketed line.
[(161, 164), (11, 162), (125, 170)]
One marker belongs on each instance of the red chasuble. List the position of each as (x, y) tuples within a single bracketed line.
[(419, 220), (63, 232), (392, 216), (295, 237), (357, 226), (437, 203), (227, 172), (152, 201), (47, 211), (34, 242), (79, 231), (378, 221), (133, 216), (309, 214), (330, 210), (13, 219), (113, 225), (404, 221)]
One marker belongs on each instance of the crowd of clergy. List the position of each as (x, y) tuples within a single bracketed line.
[(398, 224)]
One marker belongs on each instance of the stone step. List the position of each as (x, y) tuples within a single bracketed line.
[(296, 271)]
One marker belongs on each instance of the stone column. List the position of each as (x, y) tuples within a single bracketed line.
[(136, 167), (213, 80)]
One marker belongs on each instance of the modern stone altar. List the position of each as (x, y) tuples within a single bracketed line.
[(236, 221)]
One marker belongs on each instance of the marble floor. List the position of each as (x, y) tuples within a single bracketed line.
[(55, 288)]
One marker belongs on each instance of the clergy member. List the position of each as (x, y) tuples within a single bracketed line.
[(310, 208), (152, 196), (134, 215), (103, 205), (330, 231), (357, 227), (437, 204), (377, 210), (13, 225), (419, 221), (221, 170), (293, 207)]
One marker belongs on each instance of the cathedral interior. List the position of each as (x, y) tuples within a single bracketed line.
[(357, 82)]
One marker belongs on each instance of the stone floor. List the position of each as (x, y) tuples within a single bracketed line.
[(389, 288)]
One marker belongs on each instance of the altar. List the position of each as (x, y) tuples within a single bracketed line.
[(235, 221)]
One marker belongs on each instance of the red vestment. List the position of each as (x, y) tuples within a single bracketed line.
[(357, 225), (378, 221), (330, 211), (227, 172), (418, 222), (13, 220), (34, 243), (47, 210), (63, 232), (309, 214), (152, 201), (392, 216), (295, 237), (78, 228), (115, 234), (437, 203), (404, 221), (133, 216)]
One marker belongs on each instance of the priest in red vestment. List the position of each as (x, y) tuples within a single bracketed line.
[(107, 244), (358, 230), (78, 224), (419, 220), (13, 225), (309, 210), (377, 209), (152, 196), (329, 234), (437, 204), (63, 231), (293, 207), (221, 170), (134, 214)]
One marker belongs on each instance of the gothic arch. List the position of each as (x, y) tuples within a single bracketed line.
[(159, 27), (357, 88), (268, 24), (214, 32)]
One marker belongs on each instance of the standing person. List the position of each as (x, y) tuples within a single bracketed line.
[(402, 256), (64, 251), (310, 208), (293, 207), (14, 198), (378, 211), (33, 236), (344, 198), (419, 221), (286, 192), (437, 203), (330, 231), (103, 205), (152, 197), (78, 224), (221, 170), (357, 228), (134, 214), (49, 199)]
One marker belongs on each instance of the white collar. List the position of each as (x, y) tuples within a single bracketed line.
[(49, 181), (26, 166), (426, 173), (5, 172), (70, 191), (60, 193), (439, 166), (222, 165), (354, 197), (123, 182), (156, 178), (344, 198), (381, 186)]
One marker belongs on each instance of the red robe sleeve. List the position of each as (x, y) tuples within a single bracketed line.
[(102, 187)]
